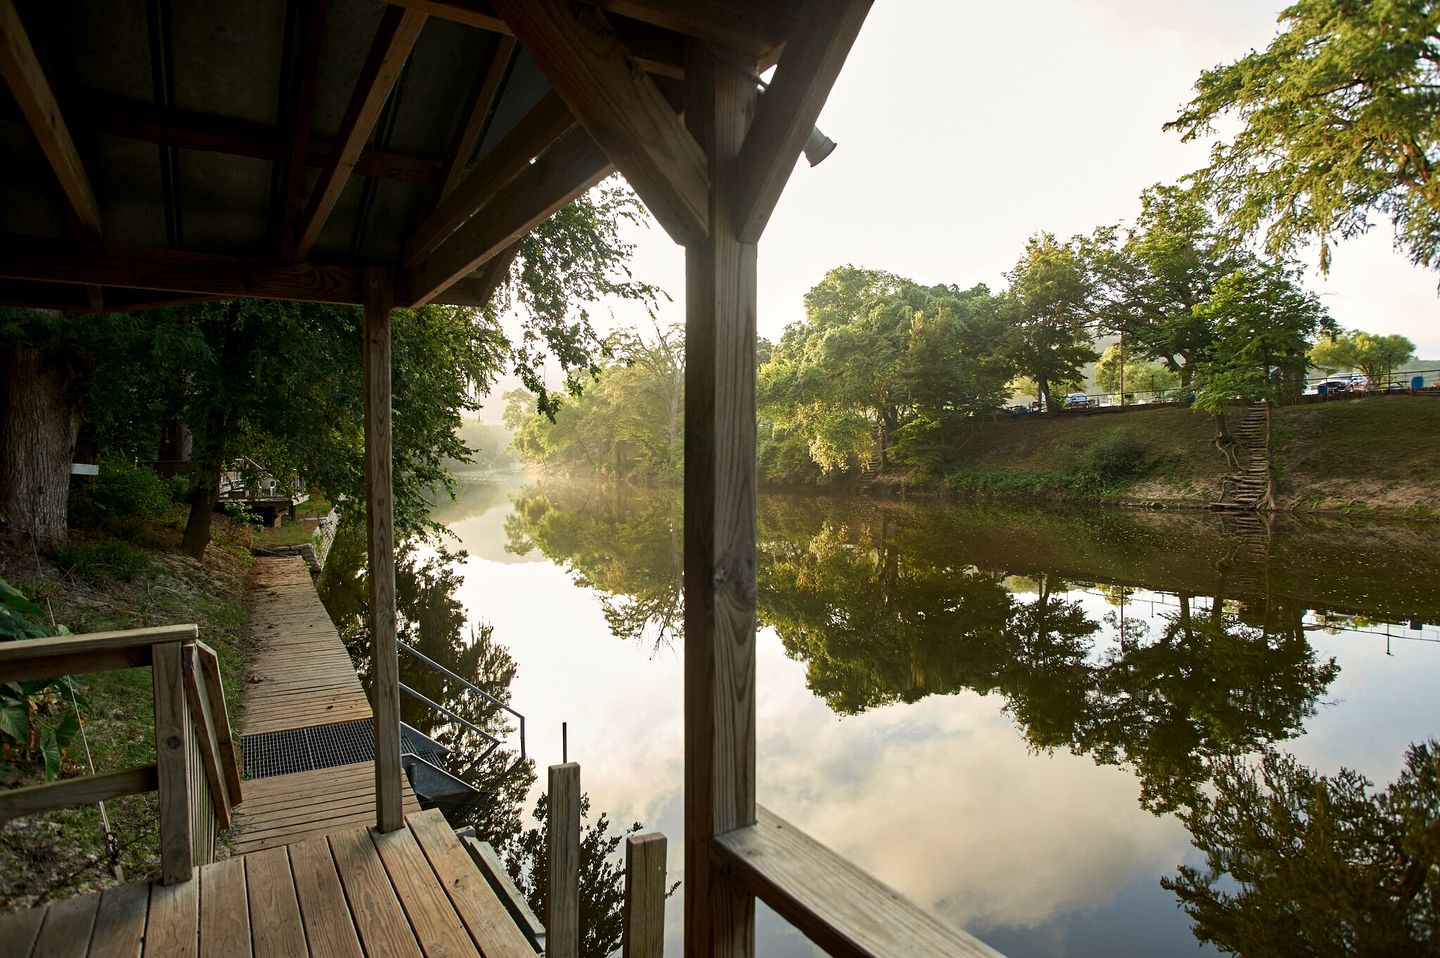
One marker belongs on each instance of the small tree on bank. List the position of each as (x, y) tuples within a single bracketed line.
[(1047, 308), (1374, 355)]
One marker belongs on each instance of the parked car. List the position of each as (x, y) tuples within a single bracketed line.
[(1077, 401)]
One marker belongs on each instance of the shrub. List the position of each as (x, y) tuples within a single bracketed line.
[(107, 560), (1115, 458), (124, 490)]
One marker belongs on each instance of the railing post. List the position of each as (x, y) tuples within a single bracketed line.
[(172, 764), (562, 859), (645, 896), (719, 517), (380, 526)]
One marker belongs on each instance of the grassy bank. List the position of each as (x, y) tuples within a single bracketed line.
[(1378, 456), (103, 580)]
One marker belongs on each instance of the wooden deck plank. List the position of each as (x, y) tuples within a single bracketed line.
[(19, 929), (328, 927), (224, 910), (67, 927), (120, 922), (172, 930), (432, 917), (381, 922), (490, 925), (275, 928)]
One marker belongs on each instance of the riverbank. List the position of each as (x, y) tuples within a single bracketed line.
[(1376, 457)]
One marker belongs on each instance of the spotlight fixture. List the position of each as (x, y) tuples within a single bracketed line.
[(817, 145)]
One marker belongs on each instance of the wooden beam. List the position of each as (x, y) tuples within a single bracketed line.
[(219, 134), (619, 106), (542, 126), (655, 49), (25, 258), (298, 107), (477, 110), (173, 734), (23, 74), (561, 174), (399, 29), (493, 276), (74, 792), (720, 298), (824, 33), (643, 935), (562, 858), (751, 27), (380, 525)]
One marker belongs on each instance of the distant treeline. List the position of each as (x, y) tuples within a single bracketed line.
[(885, 372)]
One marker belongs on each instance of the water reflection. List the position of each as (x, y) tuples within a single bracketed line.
[(1196, 654)]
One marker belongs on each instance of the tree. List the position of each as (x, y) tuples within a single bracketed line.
[(1374, 355), (1303, 864), (1122, 371), (1264, 323), (1338, 119), (1169, 262), (1049, 304)]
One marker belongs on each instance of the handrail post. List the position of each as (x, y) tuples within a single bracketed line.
[(644, 935), (380, 525), (562, 859), (172, 763)]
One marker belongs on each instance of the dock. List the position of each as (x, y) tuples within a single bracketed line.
[(307, 873)]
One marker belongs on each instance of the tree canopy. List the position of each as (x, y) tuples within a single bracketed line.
[(1338, 119), (1049, 307), (1374, 355)]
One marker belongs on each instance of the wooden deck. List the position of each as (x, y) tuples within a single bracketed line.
[(411, 892), (302, 676)]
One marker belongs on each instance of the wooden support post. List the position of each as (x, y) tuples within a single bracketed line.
[(172, 764), (644, 896), (562, 895), (380, 524), (719, 517)]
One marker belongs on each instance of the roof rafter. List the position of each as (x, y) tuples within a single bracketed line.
[(399, 29), (788, 109), (542, 126), (558, 176), (620, 107), (482, 101), (297, 106)]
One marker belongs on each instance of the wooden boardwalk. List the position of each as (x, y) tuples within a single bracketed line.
[(412, 892), (302, 676)]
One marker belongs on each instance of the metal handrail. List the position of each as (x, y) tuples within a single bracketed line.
[(409, 650), (448, 713)]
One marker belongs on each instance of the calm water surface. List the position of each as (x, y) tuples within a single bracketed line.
[(999, 712)]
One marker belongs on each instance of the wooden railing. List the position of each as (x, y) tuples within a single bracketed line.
[(196, 769)]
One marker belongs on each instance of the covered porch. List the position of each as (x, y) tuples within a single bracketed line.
[(374, 155)]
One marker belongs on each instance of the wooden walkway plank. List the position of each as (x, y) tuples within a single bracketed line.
[(328, 926), (381, 922), (18, 930), (224, 910), (67, 927), (275, 927), (490, 925), (432, 917), (120, 922), (172, 930)]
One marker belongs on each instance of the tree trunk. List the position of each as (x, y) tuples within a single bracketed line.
[(204, 494), (1042, 387), (39, 423)]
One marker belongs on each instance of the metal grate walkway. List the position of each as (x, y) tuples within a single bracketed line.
[(323, 746)]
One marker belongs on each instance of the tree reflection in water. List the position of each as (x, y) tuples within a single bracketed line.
[(433, 621), (883, 610)]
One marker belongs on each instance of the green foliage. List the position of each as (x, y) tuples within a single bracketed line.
[(126, 490), (1133, 375), (1374, 355), (1051, 299), (1098, 468), (1338, 118), (116, 560), (1264, 323), (874, 351), (627, 424), (1303, 864), (1114, 459), (37, 718)]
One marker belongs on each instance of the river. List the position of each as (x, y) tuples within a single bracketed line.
[(1007, 714)]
